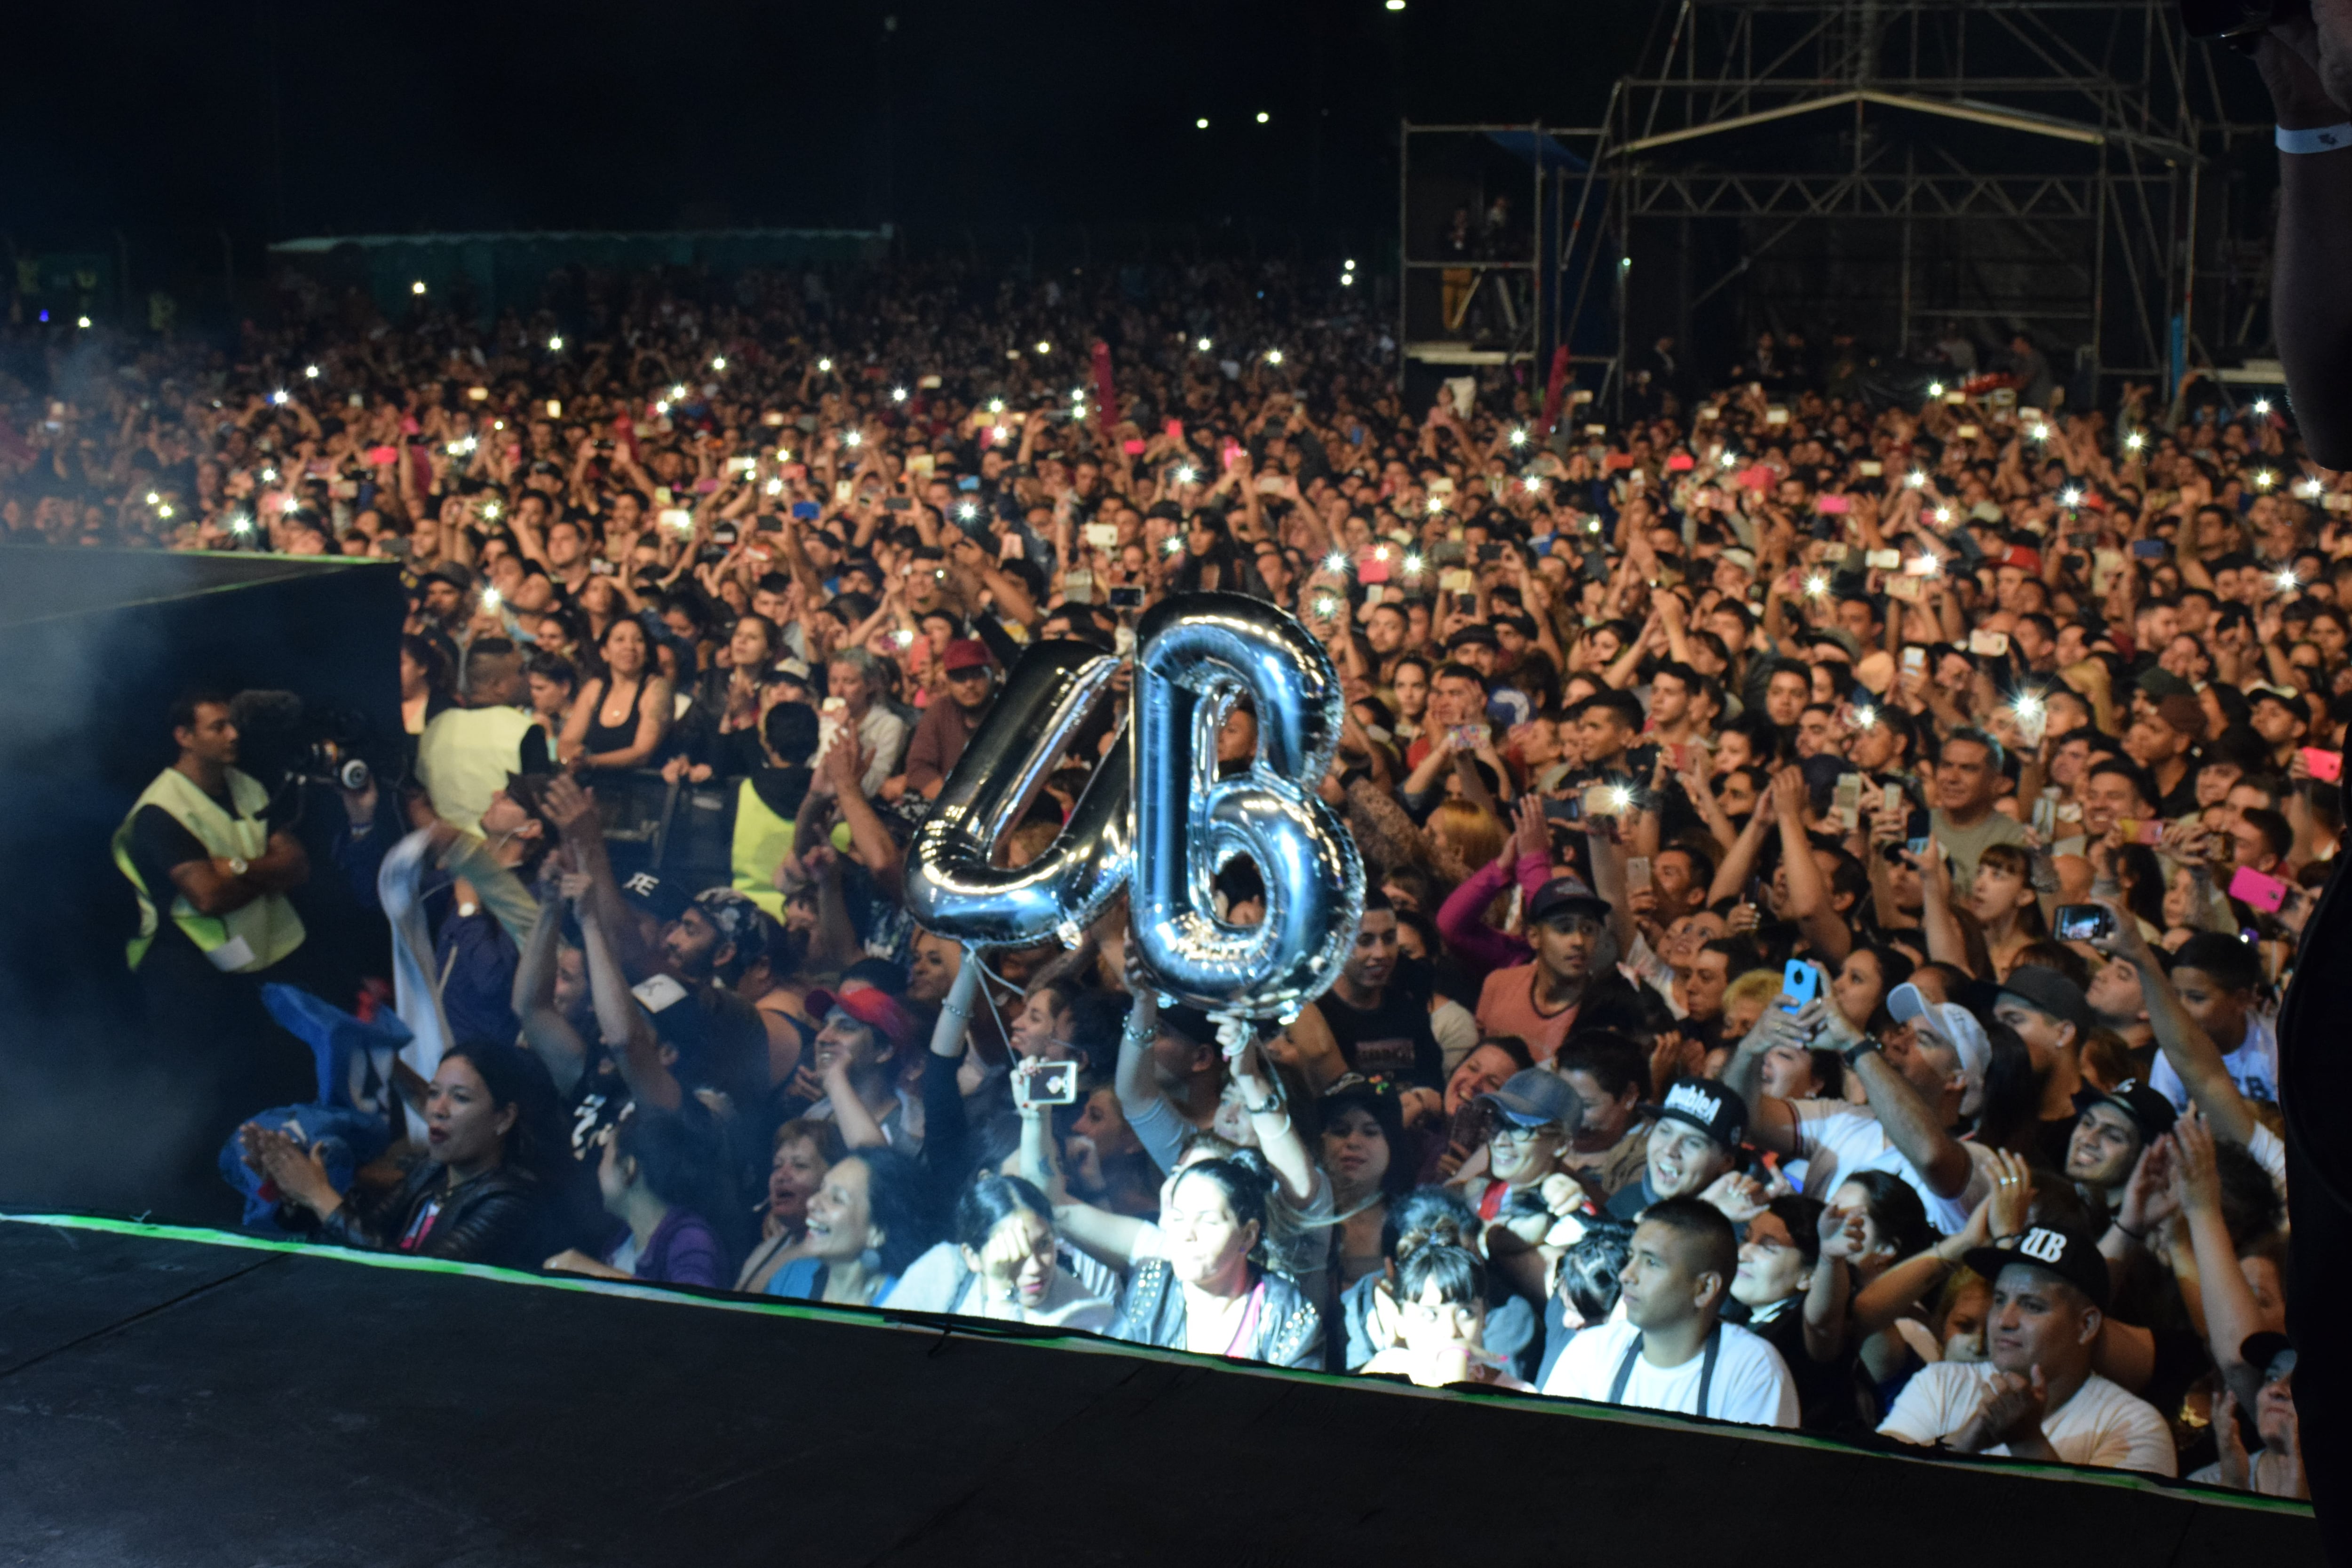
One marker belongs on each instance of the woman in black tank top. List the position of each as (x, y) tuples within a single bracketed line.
[(621, 716)]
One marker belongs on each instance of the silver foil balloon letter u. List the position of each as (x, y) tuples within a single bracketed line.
[(954, 885), (1194, 657)]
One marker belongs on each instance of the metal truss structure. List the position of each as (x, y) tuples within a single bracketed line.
[(1893, 166), (1888, 167)]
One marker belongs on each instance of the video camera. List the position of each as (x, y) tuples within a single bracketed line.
[(283, 741)]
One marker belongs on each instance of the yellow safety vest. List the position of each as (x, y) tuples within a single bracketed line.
[(464, 757), (761, 842), (247, 938)]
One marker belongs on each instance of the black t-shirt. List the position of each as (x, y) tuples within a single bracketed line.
[(1828, 1393), (596, 1102), (1391, 1043)]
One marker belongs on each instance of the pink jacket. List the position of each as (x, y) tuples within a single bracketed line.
[(1479, 945)]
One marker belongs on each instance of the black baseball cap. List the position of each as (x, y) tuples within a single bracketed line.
[(1565, 896), (2149, 1111), (2259, 1351), (2047, 991), (663, 901), (1703, 1103), (2054, 1249), (2261, 693)]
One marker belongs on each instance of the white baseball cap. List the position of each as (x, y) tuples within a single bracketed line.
[(1955, 1026)]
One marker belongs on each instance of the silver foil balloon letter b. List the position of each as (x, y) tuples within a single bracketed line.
[(1194, 655)]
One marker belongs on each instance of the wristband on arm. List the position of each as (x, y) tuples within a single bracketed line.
[(2319, 139)]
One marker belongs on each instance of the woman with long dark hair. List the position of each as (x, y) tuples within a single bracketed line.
[(659, 1178), (489, 1190), (1365, 1153), (1002, 1263), (870, 1219), (1212, 1293), (622, 714)]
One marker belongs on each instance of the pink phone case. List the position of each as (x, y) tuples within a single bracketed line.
[(2256, 891)]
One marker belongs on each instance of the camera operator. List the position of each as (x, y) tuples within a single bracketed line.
[(211, 872)]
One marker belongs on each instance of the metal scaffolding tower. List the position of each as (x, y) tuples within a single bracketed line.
[(1892, 165)]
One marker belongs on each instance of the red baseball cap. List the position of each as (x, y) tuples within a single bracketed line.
[(870, 1005), (966, 652)]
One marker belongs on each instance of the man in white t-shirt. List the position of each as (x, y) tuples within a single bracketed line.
[(2036, 1397), (1920, 1080), (1672, 1351)]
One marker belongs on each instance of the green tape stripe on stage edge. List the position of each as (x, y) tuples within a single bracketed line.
[(869, 1317)]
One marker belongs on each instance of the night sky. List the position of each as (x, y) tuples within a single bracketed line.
[(533, 114)]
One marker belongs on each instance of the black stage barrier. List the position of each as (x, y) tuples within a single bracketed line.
[(177, 1397), (95, 645)]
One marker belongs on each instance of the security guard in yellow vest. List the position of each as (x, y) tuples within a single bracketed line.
[(767, 803), (197, 845), (466, 754), (215, 925)]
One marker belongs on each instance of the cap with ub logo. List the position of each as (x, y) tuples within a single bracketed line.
[(1716, 1111), (2068, 1254)]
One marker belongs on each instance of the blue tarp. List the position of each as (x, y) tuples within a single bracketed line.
[(1550, 154)]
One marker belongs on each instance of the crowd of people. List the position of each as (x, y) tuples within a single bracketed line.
[(1831, 862)]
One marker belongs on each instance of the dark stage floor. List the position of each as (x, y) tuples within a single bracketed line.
[(170, 1396)]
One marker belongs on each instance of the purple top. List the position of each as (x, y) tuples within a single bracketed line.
[(682, 1250), (1472, 938)]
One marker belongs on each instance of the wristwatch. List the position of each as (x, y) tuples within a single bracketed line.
[(238, 866), (1866, 1046)]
